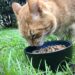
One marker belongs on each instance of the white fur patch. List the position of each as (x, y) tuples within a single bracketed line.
[(55, 26), (35, 16), (72, 27)]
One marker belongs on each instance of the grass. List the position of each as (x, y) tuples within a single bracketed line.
[(13, 60)]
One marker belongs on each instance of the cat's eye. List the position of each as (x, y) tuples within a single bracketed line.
[(33, 36), (36, 36)]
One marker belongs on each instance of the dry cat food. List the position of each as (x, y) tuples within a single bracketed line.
[(49, 49)]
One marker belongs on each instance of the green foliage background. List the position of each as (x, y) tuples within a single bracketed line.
[(7, 17)]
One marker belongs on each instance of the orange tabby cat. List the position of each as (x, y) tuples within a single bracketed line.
[(39, 18)]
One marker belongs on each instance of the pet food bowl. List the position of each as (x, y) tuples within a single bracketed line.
[(52, 59)]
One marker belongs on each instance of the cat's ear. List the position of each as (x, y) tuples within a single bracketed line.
[(34, 6), (16, 7)]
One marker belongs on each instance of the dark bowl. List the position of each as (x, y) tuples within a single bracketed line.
[(52, 59)]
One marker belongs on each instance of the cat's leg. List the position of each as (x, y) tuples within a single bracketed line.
[(61, 35), (67, 33), (70, 33)]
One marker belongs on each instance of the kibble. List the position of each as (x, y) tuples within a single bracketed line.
[(49, 49)]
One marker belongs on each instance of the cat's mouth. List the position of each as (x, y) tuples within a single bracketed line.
[(36, 42)]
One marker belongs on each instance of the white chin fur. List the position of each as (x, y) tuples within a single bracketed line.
[(38, 43), (41, 43)]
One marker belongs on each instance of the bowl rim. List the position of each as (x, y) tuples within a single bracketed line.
[(54, 51)]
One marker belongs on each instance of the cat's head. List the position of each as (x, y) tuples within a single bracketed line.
[(35, 20)]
